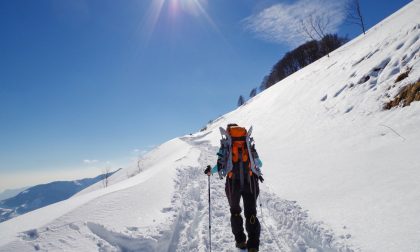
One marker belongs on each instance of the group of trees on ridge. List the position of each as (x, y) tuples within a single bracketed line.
[(300, 57), (320, 44), (297, 59)]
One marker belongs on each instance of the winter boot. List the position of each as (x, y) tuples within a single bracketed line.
[(252, 250), (241, 245)]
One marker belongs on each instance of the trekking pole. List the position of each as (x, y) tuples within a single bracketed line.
[(209, 212)]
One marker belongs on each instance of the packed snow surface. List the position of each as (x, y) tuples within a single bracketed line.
[(341, 173)]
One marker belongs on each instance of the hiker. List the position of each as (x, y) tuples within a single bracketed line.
[(238, 161)]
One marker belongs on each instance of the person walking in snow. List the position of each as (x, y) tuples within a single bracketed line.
[(238, 161)]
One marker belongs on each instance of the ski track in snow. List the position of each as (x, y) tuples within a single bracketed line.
[(285, 226)]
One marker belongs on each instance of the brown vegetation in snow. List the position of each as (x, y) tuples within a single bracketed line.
[(406, 96)]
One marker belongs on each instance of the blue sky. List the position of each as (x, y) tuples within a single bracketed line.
[(88, 84)]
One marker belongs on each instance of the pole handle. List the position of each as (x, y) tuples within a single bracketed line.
[(209, 167)]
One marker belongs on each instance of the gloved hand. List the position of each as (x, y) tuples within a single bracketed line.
[(261, 179), (207, 170)]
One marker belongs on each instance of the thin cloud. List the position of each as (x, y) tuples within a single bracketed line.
[(280, 23), (143, 151), (140, 152), (90, 161)]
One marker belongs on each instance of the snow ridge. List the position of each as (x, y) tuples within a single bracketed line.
[(119, 241)]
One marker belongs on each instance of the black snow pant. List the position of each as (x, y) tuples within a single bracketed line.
[(249, 193)]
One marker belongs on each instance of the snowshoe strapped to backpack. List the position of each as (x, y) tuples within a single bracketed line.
[(237, 153)]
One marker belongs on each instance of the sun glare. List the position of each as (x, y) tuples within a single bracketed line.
[(186, 6), (175, 8)]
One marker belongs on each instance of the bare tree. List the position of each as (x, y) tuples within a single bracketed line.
[(106, 173), (140, 165), (354, 14), (315, 27), (241, 101)]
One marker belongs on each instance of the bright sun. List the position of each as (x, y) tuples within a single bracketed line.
[(195, 8)]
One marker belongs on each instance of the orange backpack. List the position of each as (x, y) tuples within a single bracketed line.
[(239, 145), (237, 150)]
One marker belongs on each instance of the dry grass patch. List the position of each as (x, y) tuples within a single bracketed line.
[(403, 75), (406, 96)]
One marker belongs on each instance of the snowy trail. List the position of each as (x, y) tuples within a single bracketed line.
[(285, 225)]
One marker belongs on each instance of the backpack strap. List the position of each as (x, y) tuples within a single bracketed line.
[(225, 155)]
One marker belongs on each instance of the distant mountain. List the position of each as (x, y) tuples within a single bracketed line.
[(8, 193), (42, 195)]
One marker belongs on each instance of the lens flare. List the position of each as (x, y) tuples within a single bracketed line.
[(174, 8), (151, 18)]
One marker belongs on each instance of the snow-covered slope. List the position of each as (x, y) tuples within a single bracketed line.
[(135, 203), (42, 195), (342, 174)]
